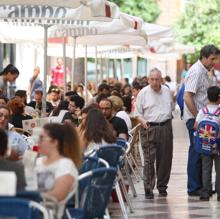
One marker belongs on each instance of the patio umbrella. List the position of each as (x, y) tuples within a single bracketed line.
[(48, 13), (125, 30)]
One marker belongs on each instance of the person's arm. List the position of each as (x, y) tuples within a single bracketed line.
[(188, 98), (62, 187), (195, 125), (143, 122), (139, 111), (123, 135)]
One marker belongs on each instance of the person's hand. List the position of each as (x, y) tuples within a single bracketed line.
[(78, 112), (144, 124)]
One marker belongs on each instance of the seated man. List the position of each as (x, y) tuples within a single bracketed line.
[(54, 96), (76, 103), (119, 125), (37, 103), (23, 95)]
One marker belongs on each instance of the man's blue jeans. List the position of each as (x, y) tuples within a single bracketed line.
[(194, 166)]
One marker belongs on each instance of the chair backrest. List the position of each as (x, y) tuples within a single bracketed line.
[(111, 153), (134, 137), (97, 192), (20, 208), (30, 195), (121, 142), (91, 163), (8, 183)]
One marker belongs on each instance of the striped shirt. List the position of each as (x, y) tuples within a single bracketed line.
[(197, 82)]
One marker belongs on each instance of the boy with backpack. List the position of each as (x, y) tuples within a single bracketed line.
[(207, 142)]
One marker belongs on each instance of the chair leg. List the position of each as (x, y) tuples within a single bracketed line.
[(121, 202), (141, 150), (132, 169), (68, 214), (136, 166), (107, 215), (130, 181), (125, 191)]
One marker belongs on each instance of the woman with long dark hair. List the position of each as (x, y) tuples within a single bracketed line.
[(97, 130), (9, 74), (57, 169)]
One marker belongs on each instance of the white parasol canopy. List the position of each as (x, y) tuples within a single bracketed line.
[(127, 30), (47, 13), (60, 3)]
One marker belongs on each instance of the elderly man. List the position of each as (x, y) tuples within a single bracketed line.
[(153, 108), (197, 82)]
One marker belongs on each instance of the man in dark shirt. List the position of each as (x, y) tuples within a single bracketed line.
[(37, 104), (118, 124)]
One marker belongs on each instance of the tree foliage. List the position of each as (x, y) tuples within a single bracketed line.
[(148, 10), (199, 25)]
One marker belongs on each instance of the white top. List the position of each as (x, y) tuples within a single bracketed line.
[(154, 106), (197, 82), (123, 115), (47, 175)]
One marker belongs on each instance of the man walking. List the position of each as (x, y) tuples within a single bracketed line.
[(153, 108), (197, 82)]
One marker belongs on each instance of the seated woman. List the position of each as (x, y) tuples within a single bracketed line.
[(6, 165), (97, 131), (118, 110), (57, 170), (16, 142), (17, 108)]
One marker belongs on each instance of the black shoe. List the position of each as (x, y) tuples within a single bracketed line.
[(204, 198), (163, 193), (195, 193), (218, 198), (149, 195)]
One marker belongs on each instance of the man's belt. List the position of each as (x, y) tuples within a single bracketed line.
[(158, 123)]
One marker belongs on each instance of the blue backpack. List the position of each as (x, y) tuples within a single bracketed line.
[(180, 100), (206, 139)]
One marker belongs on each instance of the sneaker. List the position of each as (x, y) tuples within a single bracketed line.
[(163, 193), (149, 195), (204, 198)]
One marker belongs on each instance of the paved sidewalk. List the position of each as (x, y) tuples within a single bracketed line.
[(177, 205)]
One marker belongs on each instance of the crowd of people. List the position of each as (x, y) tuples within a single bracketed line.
[(85, 126)]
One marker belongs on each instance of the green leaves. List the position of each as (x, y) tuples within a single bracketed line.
[(148, 10), (199, 25)]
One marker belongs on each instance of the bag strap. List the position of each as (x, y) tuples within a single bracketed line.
[(217, 112), (205, 110)]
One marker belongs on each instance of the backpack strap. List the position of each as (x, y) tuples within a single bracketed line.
[(217, 112), (205, 110)]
